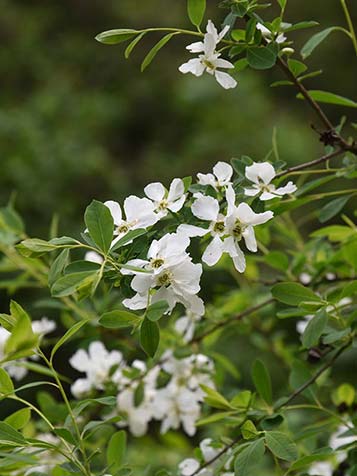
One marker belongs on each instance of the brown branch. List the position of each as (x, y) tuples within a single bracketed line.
[(225, 322), (312, 163), (313, 379)]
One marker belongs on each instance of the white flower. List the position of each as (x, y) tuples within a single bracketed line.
[(164, 200), (210, 60), (174, 405), (185, 325), (207, 208), (321, 468), (188, 466), (170, 271), (138, 415), (97, 364), (221, 177), (180, 401), (43, 326), (227, 230), (93, 257), (240, 222), (261, 174), (268, 35), (139, 213)]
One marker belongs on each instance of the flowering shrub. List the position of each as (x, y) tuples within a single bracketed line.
[(138, 284)]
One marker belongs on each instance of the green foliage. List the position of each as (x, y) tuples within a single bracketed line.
[(149, 336), (196, 10)]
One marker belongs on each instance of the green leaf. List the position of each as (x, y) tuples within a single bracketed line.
[(6, 385), (248, 458), (282, 4), (70, 283), (262, 381), (154, 51), (156, 310), (149, 337), (345, 393), (240, 64), (249, 430), (336, 233), (331, 209), (314, 329), (293, 293), (66, 435), (19, 419), (215, 399), (132, 45), (71, 332), (296, 67), (262, 57), (116, 451), (100, 224), (301, 25), (315, 40), (58, 266), (10, 436), (330, 98), (281, 445), (38, 246), (196, 10), (22, 339), (307, 460), (113, 37), (118, 319), (131, 235)]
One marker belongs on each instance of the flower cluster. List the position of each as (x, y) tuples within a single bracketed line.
[(141, 396), (16, 368), (209, 60), (166, 271)]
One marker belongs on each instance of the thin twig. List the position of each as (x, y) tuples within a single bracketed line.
[(312, 163), (225, 322), (296, 393)]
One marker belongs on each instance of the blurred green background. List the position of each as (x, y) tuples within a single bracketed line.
[(78, 121)]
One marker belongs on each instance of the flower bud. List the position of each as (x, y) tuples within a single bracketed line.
[(288, 51)]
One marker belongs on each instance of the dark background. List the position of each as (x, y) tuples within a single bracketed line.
[(78, 121)]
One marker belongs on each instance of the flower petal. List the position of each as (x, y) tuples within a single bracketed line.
[(205, 208), (287, 189), (225, 80), (115, 210), (222, 63), (177, 188), (191, 230), (249, 238), (193, 66), (260, 171), (155, 191), (247, 216), (223, 171), (213, 252), (231, 247), (196, 47)]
